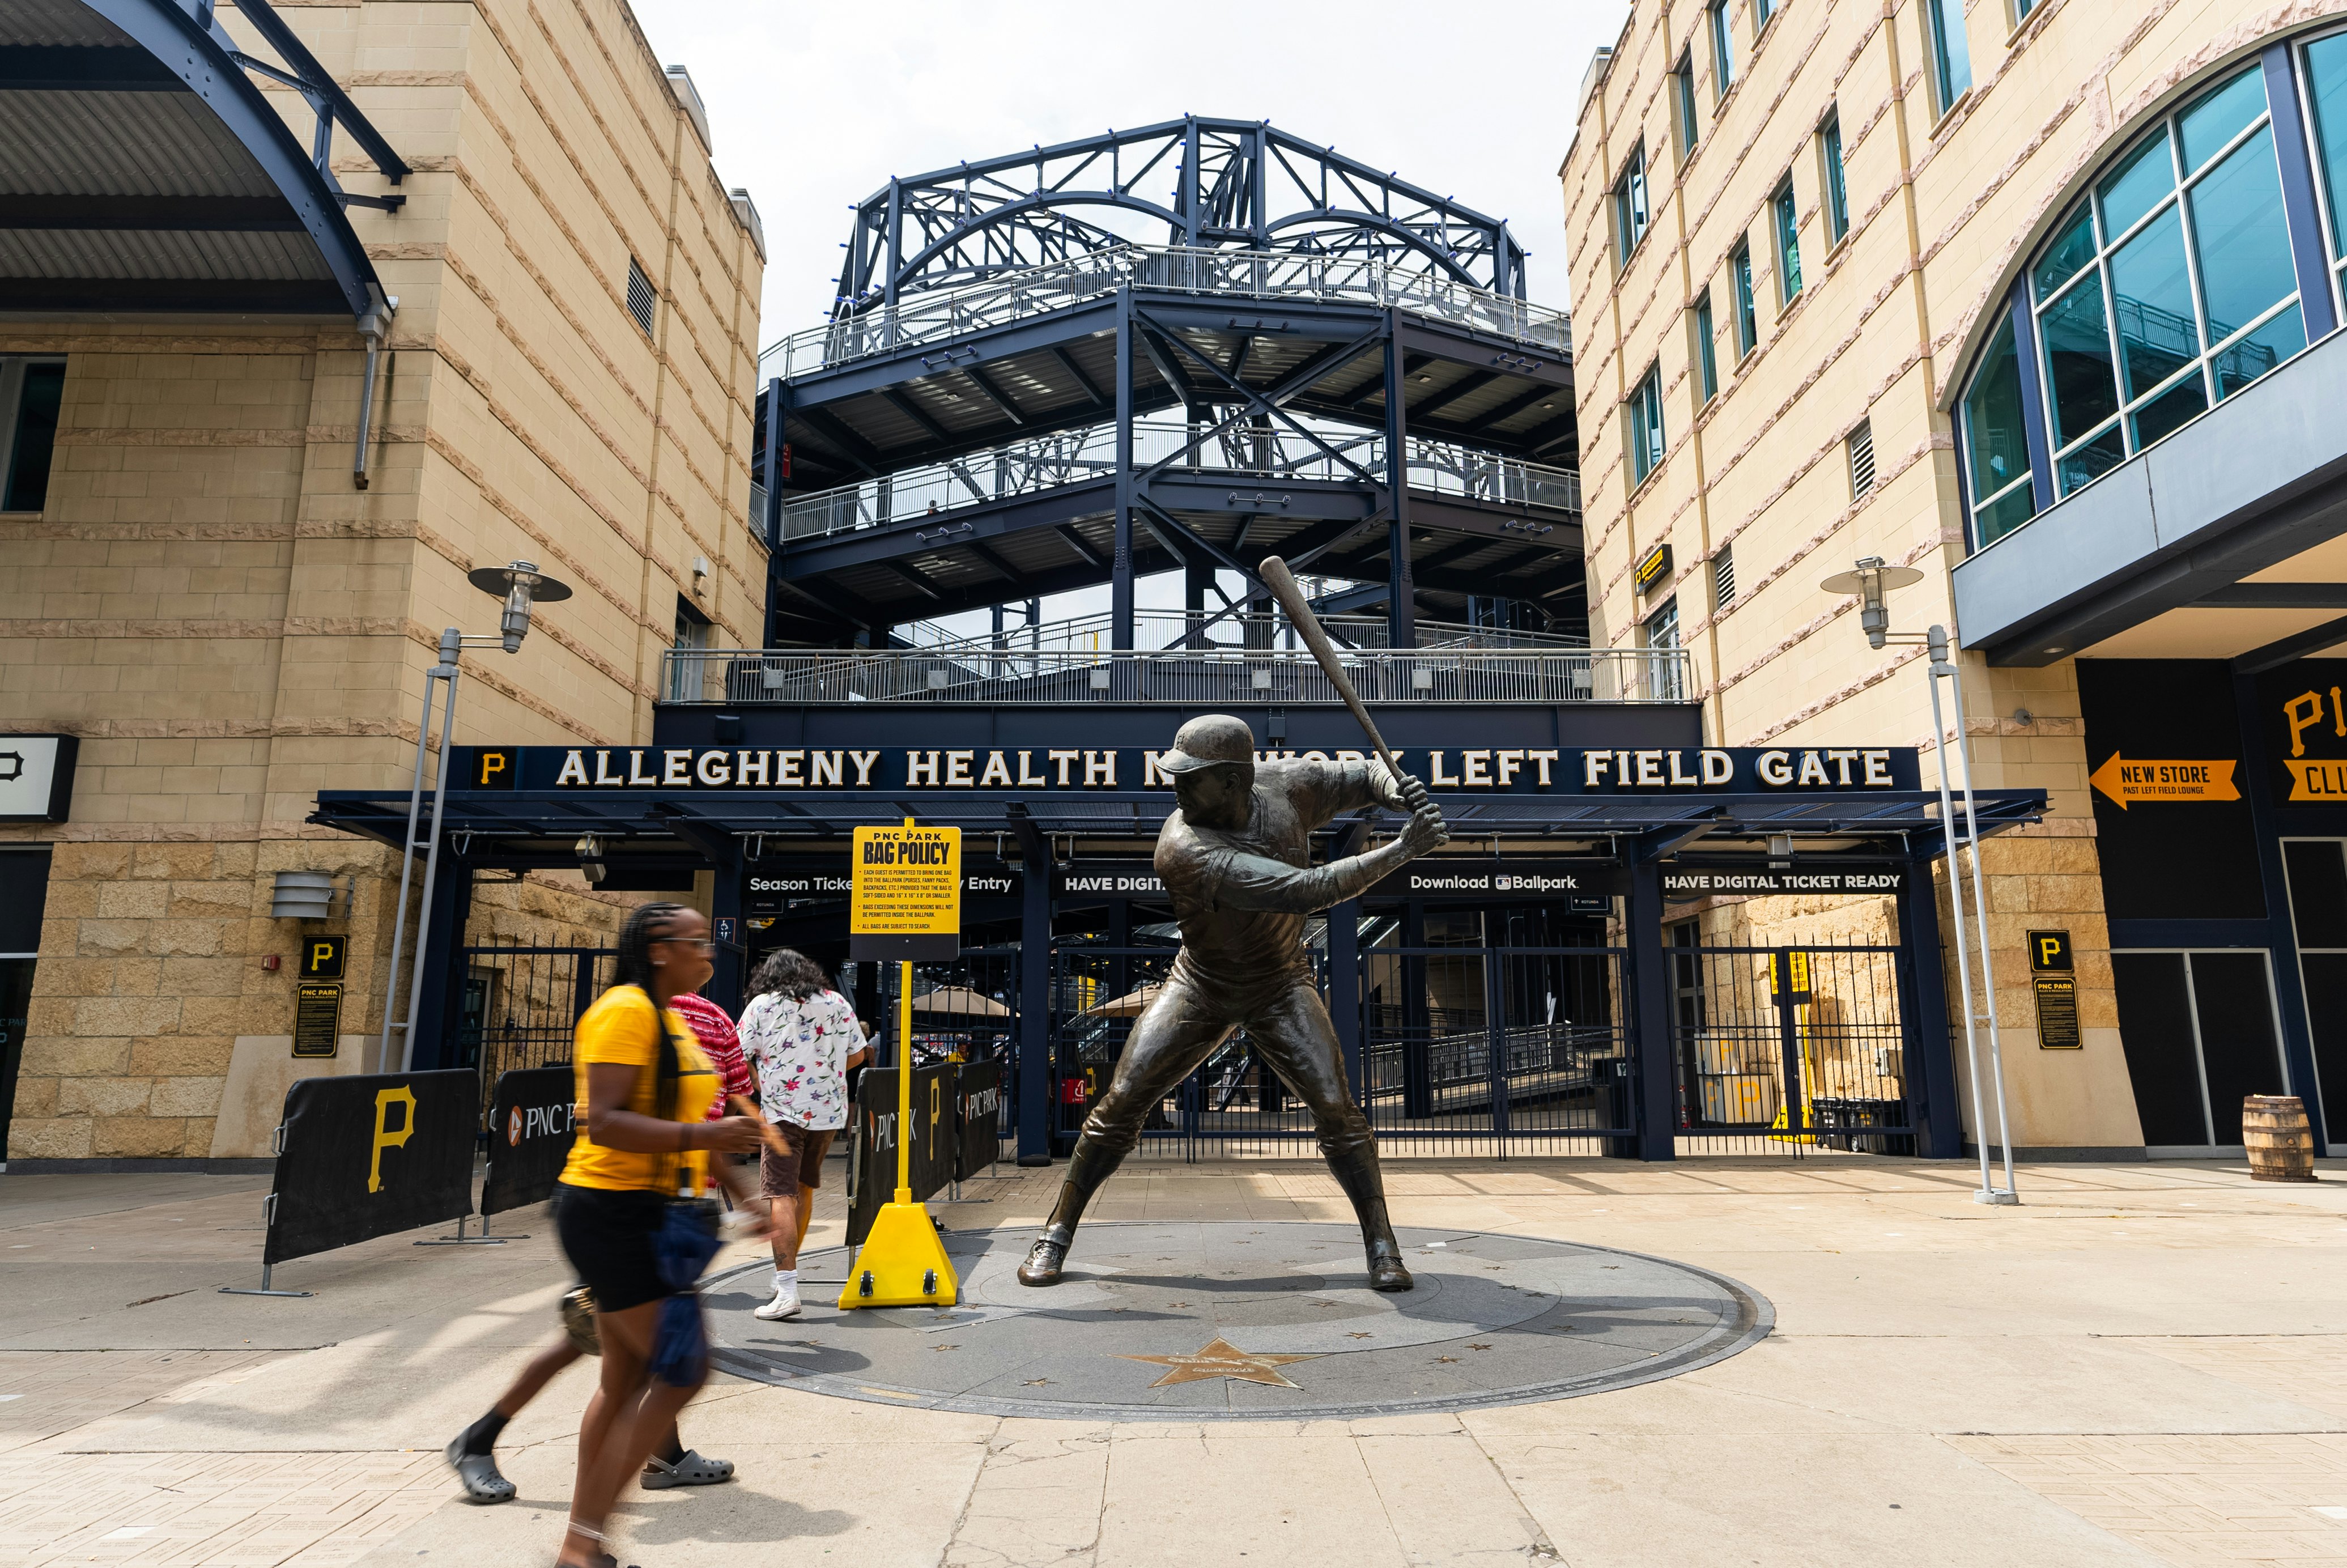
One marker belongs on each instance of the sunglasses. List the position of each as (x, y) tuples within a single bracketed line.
[(702, 943)]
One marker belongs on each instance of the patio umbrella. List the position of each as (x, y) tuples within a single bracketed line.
[(959, 1002), (1130, 1005)]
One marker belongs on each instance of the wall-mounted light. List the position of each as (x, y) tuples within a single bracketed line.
[(302, 895), (1869, 580), (589, 850), (522, 586), (1780, 852)]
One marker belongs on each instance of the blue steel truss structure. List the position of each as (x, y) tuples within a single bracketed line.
[(1181, 348)]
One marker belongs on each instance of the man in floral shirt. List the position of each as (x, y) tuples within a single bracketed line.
[(802, 1037)]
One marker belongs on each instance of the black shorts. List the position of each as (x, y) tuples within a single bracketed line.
[(608, 1236)]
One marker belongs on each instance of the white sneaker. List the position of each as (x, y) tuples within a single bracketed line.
[(785, 1304)]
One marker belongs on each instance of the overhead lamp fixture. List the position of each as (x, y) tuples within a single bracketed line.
[(589, 850), (522, 586), (1869, 580), (1780, 852)]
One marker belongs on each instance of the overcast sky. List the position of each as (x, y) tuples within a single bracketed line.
[(812, 107)]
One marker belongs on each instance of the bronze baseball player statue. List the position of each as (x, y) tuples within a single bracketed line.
[(1237, 859)]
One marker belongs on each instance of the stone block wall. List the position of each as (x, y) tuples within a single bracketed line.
[(231, 624)]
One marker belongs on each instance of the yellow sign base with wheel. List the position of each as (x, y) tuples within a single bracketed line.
[(902, 1261)]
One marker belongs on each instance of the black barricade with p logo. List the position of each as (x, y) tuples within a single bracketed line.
[(872, 1157), (368, 1155), (977, 1143), (531, 1127)]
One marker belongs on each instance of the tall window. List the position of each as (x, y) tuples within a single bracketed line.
[(685, 672), (1761, 10), (1630, 202), (1683, 101), (1829, 176), (1646, 425), (1706, 363), (2170, 287), (2021, 10), (1786, 220), (1996, 443), (1723, 50), (1944, 48), (1748, 324), (2324, 63), (31, 393)]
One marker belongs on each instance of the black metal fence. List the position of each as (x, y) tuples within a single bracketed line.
[(1788, 1050), (521, 1004)]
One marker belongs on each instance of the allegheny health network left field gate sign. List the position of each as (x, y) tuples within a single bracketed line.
[(906, 903)]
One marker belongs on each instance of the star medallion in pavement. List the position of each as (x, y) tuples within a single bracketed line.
[(1221, 1359)]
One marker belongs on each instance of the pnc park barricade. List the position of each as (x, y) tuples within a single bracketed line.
[(957, 1133), (368, 1156), (531, 1122)]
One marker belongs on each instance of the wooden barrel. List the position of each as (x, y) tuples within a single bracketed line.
[(2274, 1132)]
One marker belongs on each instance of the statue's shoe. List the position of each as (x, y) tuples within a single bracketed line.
[(1386, 1269), (1043, 1261)]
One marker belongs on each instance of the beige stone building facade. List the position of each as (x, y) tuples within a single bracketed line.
[(206, 601), (1819, 253)]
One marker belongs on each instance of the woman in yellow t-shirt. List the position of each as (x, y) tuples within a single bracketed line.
[(647, 1087)]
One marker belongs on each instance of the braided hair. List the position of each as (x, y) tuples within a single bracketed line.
[(647, 924)]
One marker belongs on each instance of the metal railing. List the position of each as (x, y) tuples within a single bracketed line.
[(937, 315), (1163, 629), (1171, 677), (1078, 456)]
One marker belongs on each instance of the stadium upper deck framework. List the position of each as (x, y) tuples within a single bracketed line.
[(1351, 374)]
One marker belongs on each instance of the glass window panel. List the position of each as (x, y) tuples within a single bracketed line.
[(2085, 465), (2156, 1033), (2326, 89), (1747, 324), (2219, 115), (2152, 292), (28, 486), (2135, 187), (1788, 244), (1723, 50), (1952, 62), (2259, 352), (2003, 515), (1993, 431), (2318, 891), (2237, 1034), (2078, 360), (2073, 250), (1706, 365), (2170, 409), (2243, 238)]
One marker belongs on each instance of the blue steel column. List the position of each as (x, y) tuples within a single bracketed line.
[(2298, 196), (1402, 586), (1034, 995), (1924, 1030), (1121, 567), (1650, 1012)]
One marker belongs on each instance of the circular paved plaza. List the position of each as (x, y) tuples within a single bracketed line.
[(1234, 1319)]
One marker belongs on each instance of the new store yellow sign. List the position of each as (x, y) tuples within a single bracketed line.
[(2165, 782)]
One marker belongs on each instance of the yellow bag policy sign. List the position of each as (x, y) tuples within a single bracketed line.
[(904, 903)]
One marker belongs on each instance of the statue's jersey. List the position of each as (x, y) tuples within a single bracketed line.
[(1242, 896)]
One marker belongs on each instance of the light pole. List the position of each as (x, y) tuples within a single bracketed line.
[(521, 585), (1869, 580)]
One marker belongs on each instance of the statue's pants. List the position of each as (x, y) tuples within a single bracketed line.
[(1288, 1024)]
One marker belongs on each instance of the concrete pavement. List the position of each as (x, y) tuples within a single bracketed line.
[(2143, 1364)]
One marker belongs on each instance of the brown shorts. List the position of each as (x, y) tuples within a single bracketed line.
[(782, 1176)]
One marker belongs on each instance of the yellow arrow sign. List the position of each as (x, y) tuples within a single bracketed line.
[(2165, 782)]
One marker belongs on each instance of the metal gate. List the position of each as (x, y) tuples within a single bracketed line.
[(521, 1005), (1462, 1052), (965, 1006), (1790, 1051)]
